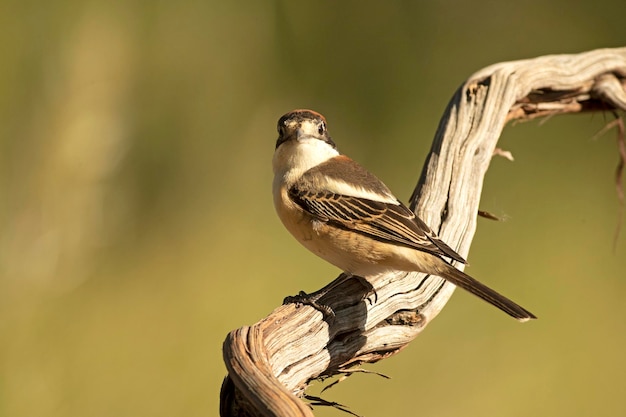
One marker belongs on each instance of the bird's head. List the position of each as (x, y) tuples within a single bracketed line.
[(302, 125), (303, 142)]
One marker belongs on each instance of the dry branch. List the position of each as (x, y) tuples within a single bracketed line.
[(271, 362)]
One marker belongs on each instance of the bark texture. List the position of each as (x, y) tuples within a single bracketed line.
[(271, 362)]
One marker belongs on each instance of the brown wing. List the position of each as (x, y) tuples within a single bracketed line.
[(392, 223)]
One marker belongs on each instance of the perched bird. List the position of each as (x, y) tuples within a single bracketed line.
[(348, 217)]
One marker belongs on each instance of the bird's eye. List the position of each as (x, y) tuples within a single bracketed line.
[(281, 129), (321, 128)]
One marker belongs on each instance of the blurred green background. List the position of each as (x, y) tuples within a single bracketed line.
[(137, 226)]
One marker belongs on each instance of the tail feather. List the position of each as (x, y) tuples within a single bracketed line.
[(461, 279)]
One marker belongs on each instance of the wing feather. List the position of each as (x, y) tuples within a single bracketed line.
[(384, 221)]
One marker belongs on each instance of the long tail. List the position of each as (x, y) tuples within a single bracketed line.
[(461, 279)]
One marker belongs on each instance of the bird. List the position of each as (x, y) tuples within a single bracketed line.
[(344, 214)]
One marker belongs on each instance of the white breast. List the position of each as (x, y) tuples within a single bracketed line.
[(295, 157)]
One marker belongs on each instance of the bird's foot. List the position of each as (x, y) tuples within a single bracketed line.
[(311, 300), (371, 291)]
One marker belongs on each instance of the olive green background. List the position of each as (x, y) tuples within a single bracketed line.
[(136, 220)]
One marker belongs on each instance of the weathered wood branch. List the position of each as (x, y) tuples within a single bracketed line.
[(271, 362)]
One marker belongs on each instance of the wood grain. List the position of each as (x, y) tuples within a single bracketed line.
[(271, 363)]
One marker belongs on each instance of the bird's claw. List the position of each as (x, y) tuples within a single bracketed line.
[(311, 300)]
